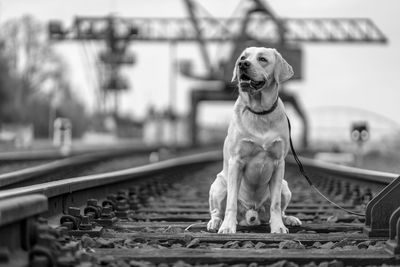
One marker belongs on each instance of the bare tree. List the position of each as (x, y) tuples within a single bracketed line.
[(27, 47), (33, 75)]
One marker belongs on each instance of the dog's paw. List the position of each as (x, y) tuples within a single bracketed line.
[(227, 227), (279, 229), (291, 220), (214, 224)]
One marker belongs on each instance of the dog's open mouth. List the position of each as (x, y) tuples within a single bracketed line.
[(246, 82)]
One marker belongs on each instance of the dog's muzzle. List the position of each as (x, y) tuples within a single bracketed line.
[(249, 85)]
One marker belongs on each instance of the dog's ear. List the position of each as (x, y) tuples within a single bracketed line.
[(234, 75), (283, 71)]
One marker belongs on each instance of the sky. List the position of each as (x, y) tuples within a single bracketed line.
[(359, 76)]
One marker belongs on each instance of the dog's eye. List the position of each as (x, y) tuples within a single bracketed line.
[(242, 58), (263, 59)]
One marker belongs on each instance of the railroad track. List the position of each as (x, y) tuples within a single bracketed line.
[(13, 161), (53, 153), (30, 172), (155, 215)]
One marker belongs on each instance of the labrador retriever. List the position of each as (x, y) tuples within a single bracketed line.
[(250, 188)]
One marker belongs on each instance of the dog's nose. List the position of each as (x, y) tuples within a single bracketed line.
[(252, 219), (244, 64)]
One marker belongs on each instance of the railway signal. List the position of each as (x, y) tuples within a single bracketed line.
[(360, 134)]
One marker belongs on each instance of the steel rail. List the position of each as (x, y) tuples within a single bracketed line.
[(30, 173), (72, 185), (55, 153), (47, 154), (318, 167), (74, 192)]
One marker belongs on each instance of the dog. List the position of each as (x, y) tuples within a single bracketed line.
[(251, 186)]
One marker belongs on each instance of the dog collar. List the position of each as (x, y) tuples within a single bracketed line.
[(264, 112)]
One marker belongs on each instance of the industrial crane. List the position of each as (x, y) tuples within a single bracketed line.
[(259, 26)]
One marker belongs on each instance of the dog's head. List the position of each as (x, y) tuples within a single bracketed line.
[(258, 68)]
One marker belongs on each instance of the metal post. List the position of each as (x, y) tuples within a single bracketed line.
[(172, 88), (116, 102), (52, 110)]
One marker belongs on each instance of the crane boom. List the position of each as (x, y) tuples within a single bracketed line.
[(323, 30), (202, 43)]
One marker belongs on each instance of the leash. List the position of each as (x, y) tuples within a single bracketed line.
[(304, 174)]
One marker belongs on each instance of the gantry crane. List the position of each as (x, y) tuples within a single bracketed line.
[(259, 26)]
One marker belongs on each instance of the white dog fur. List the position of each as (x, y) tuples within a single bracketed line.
[(250, 188)]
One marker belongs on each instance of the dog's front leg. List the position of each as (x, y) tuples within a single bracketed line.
[(217, 202), (276, 222), (233, 182)]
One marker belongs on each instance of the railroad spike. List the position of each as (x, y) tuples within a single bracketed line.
[(74, 211), (92, 209), (356, 196), (44, 251), (331, 186), (92, 202), (107, 217), (86, 227), (159, 188), (73, 219), (108, 203), (122, 209), (347, 192), (177, 219), (112, 197), (85, 224), (134, 202), (133, 190), (122, 193), (143, 197)]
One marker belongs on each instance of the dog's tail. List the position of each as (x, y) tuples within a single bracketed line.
[(252, 217)]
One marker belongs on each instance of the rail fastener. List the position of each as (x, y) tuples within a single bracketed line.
[(42, 251), (79, 225)]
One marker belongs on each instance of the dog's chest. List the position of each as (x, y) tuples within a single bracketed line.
[(249, 149), (259, 159), (261, 132)]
